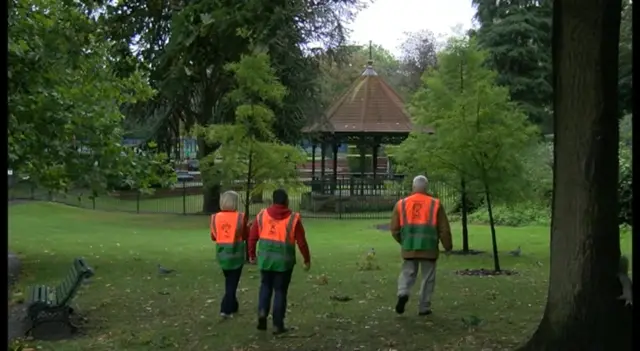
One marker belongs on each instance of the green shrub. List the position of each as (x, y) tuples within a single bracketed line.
[(353, 160), (625, 187), (513, 215)]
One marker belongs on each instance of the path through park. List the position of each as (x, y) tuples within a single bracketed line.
[(17, 312)]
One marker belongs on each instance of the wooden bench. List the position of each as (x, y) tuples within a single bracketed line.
[(52, 304)]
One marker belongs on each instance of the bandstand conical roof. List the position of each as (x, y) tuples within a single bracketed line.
[(370, 105)]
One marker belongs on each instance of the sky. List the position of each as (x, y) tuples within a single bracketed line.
[(385, 21)]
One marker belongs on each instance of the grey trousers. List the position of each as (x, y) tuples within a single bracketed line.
[(408, 278)]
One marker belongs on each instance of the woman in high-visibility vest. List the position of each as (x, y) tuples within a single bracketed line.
[(229, 231)]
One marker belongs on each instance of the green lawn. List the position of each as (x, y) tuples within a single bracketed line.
[(129, 307)]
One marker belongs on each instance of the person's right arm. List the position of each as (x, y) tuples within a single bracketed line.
[(444, 230), (245, 227), (394, 226), (212, 230)]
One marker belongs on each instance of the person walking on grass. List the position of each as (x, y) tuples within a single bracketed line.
[(229, 231), (418, 224), (274, 234)]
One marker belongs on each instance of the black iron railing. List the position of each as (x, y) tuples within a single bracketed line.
[(345, 198)]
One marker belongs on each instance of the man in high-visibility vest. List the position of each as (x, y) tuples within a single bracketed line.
[(229, 232), (419, 223), (275, 233)]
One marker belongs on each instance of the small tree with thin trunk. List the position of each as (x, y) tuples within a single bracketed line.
[(479, 132), (248, 152)]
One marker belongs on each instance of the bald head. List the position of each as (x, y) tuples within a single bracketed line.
[(420, 184)]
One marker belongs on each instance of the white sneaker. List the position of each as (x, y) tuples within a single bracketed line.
[(226, 316)]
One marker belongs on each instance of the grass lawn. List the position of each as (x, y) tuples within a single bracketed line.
[(130, 307)]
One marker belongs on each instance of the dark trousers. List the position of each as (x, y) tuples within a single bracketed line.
[(229, 302), (274, 283)]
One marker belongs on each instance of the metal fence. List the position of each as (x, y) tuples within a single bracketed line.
[(349, 198)]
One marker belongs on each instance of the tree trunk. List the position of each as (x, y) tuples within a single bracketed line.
[(492, 225), (464, 211), (582, 311), (210, 189), (248, 197)]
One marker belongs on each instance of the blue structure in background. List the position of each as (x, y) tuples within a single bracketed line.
[(132, 142), (189, 146)]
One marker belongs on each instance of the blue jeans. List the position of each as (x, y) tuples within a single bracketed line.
[(229, 304), (274, 283)]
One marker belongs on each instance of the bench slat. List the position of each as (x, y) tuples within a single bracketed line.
[(42, 293), (64, 289), (74, 272), (71, 285), (32, 294)]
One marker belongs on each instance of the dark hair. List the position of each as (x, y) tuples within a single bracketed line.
[(280, 197)]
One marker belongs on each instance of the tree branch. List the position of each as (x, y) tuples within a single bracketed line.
[(455, 167), (495, 157)]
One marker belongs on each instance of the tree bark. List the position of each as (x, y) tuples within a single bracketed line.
[(464, 212), (211, 188), (582, 311), (248, 198), (492, 225)]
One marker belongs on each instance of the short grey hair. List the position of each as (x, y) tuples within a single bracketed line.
[(229, 201), (420, 183)]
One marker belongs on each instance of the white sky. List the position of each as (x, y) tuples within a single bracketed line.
[(385, 21)]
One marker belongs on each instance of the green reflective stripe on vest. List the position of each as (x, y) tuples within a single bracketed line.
[(419, 237), (274, 255), (231, 255)]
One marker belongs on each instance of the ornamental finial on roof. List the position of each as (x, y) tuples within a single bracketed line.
[(369, 69)]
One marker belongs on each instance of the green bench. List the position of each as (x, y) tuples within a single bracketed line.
[(52, 304)]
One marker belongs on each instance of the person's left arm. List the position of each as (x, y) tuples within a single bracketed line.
[(301, 241)]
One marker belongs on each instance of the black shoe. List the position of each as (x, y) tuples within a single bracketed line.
[(280, 330), (262, 323), (425, 313), (402, 301)]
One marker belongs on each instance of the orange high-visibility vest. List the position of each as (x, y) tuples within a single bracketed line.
[(230, 247), (418, 222), (276, 244)]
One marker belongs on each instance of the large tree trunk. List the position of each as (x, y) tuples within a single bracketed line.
[(582, 311), (464, 211), (210, 189)]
